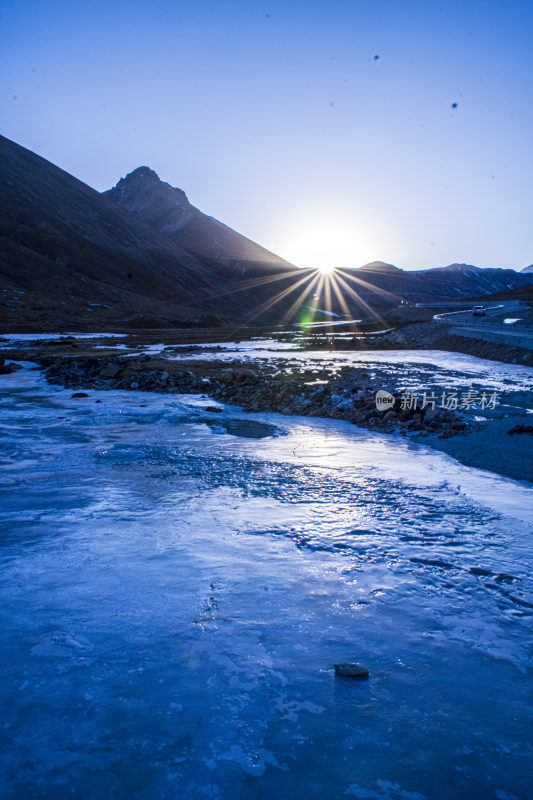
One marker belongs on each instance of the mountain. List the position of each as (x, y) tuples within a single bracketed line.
[(436, 284), (167, 210), (465, 280), (527, 269), (381, 285), (66, 251), (523, 293), (141, 256), (464, 269), (70, 256)]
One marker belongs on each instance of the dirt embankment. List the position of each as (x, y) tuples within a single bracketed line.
[(431, 336)]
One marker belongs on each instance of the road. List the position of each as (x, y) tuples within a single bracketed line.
[(492, 327)]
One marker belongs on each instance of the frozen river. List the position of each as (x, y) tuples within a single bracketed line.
[(178, 583)]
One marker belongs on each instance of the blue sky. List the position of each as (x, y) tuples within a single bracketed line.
[(278, 119)]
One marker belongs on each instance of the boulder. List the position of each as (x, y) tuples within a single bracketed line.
[(447, 433), (7, 369), (245, 374), (346, 404), (430, 415), (111, 371), (350, 669), (458, 425), (520, 429)]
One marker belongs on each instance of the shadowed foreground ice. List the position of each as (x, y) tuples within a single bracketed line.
[(178, 583)]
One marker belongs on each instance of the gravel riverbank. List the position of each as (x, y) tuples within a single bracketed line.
[(477, 435)]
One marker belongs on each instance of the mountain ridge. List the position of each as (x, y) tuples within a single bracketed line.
[(70, 255), (141, 255), (377, 283), (168, 210)]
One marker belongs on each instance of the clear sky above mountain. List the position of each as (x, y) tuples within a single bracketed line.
[(332, 133)]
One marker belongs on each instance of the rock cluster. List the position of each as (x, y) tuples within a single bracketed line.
[(6, 369), (345, 395), (521, 429)]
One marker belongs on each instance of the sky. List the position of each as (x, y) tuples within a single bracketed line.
[(331, 133)]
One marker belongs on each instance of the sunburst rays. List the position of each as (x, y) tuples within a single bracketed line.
[(357, 297), (333, 291)]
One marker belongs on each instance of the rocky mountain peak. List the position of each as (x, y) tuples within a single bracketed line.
[(143, 173), (145, 181)]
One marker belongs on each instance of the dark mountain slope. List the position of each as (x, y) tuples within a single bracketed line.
[(70, 256), (141, 256), (167, 210), (524, 293), (63, 244)]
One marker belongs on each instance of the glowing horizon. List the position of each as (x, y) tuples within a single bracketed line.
[(331, 134), (325, 243)]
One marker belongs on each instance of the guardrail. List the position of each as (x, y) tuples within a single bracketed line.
[(483, 323), (468, 319)]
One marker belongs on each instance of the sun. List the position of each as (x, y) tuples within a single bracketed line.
[(318, 242)]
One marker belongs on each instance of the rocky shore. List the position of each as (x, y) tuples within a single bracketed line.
[(497, 439), (337, 393)]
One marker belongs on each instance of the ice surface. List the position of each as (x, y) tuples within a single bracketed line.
[(9, 339), (412, 368), (177, 586)]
